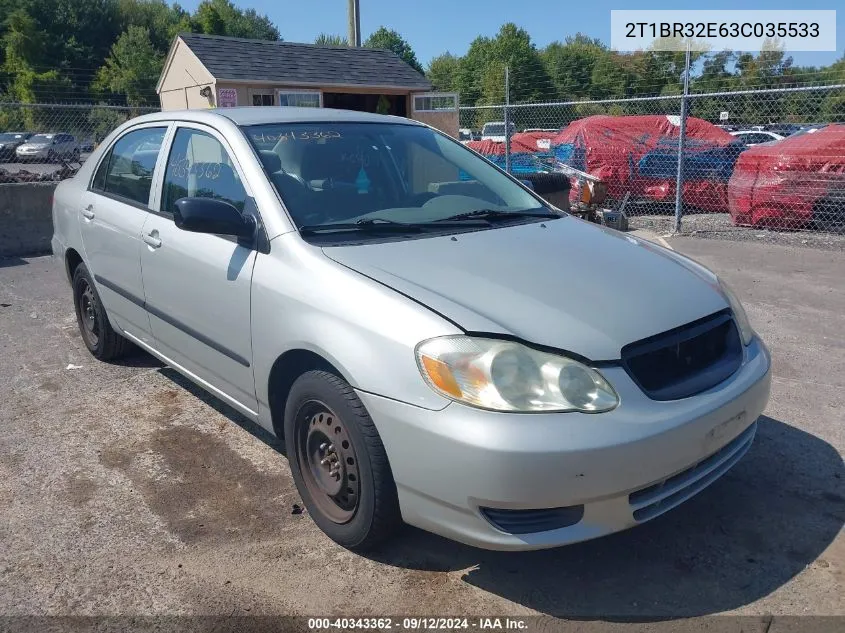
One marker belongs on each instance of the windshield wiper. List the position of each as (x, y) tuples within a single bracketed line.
[(364, 227), (495, 214), (382, 225)]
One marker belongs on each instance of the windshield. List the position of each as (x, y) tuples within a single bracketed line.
[(41, 138), (331, 173), (10, 136), (494, 129)]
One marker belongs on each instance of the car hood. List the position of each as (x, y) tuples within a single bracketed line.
[(34, 145), (566, 283)]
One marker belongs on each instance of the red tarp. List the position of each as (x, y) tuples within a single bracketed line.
[(612, 147), (779, 185), (536, 141), (494, 148)]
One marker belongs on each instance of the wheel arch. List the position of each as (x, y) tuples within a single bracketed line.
[(72, 260), (289, 366)]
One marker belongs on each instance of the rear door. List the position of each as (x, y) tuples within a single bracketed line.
[(112, 212), (197, 286)]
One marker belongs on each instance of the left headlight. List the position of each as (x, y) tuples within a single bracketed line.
[(746, 332), (506, 376)]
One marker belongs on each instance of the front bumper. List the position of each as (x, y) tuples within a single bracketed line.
[(449, 464), (40, 154)]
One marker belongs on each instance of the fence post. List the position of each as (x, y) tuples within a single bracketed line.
[(507, 122), (679, 180)]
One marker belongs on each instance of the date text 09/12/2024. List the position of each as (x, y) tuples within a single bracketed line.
[(418, 623)]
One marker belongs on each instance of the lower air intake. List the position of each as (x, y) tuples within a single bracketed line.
[(530, 521)]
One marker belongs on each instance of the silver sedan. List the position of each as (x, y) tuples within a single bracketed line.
[(436, 343)]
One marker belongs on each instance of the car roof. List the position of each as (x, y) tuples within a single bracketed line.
[(252, 115)]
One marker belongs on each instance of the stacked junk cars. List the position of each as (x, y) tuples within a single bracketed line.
[(795, 183)]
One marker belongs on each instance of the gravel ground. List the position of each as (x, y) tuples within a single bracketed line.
[(719, 226), (37, 168), (126, 490)]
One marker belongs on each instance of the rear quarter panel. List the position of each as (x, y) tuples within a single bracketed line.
[(66, 230)]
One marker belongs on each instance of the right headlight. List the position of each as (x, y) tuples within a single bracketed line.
[(746, 332), (506, 376)]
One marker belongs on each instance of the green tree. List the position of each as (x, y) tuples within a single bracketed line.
[(443, 72), (163, 21), (222, 17), (471, 69), (103, 120), (133, 67), (325, 39), (392, 41), (570, 65), (529, 80), (481, 75)]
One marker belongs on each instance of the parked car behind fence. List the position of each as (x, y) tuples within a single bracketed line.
[(49, 148), (9, 142), (795, 183)]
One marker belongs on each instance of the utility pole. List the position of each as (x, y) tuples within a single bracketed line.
[(682, 134), (354, 23)]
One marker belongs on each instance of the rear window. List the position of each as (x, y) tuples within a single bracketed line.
[(127, 169)]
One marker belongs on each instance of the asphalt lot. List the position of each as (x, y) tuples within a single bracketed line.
[(126, 490)]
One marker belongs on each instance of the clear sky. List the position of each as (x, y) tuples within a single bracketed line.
[(435, 26)]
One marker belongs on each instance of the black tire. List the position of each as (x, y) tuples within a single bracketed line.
[(97, 333), (51, 157), (548, 182), (376, 515)]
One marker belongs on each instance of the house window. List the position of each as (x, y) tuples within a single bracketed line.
[(262, 99), (301, 98), (436, 102)]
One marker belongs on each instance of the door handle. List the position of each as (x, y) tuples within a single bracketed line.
[(88, 212), (151, 239)]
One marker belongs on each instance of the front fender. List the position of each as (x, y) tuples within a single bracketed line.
[(301, 299)]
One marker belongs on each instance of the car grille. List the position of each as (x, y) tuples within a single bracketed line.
[(657, 498), (529, 521), (687, 360)]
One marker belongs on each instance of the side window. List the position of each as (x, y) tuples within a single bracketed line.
[(200, 167), (127, 169)]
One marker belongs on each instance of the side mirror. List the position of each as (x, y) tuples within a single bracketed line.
[(207, 215)]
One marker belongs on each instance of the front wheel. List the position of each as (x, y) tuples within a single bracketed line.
[(97, 333), (339, 463)]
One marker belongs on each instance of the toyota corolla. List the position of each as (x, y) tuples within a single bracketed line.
[(436, 344)]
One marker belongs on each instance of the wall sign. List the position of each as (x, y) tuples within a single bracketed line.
[(227, 97)]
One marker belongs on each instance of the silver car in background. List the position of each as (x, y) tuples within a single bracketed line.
[(435, 343), (49, 148)]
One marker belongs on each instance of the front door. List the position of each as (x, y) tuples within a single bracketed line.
[(112, 213), (197, 285)]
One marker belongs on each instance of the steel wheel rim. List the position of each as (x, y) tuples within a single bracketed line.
[(88, 314), (327, 461)]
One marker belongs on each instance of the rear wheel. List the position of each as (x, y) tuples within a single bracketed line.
[(97, 333), (339, 463)]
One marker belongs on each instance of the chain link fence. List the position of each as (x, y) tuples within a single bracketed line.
[(763, 159), (50, 141)]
